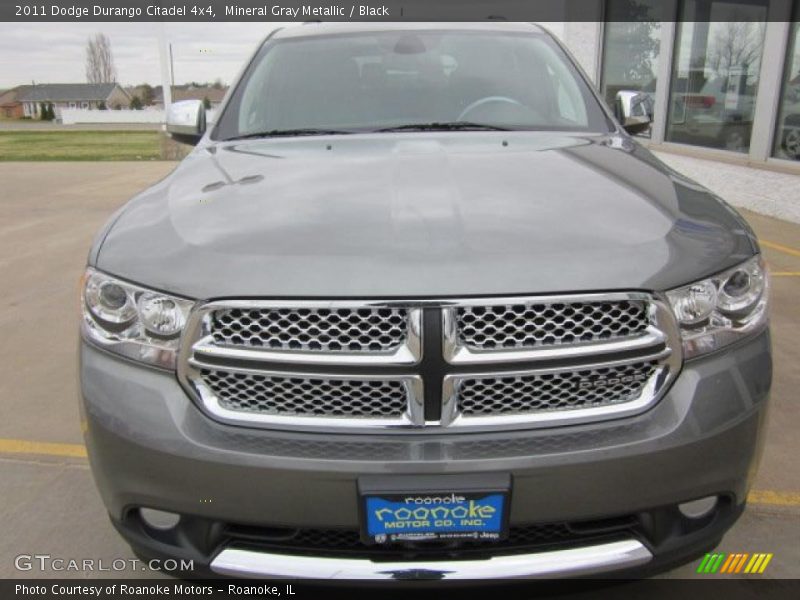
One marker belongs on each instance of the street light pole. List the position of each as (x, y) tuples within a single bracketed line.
[(164, 51), (171, 66)]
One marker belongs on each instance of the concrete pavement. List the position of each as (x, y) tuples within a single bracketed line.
[(48, 215), (765, 192)]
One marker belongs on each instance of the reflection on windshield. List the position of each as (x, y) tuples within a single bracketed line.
[(384, 80)]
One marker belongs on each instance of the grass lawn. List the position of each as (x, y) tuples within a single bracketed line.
[(79, 145)]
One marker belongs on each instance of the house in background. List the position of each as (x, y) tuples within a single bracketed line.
[(26, 100), (10, 107)]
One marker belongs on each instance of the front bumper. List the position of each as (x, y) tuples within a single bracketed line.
[(586, 560), (149, 446)]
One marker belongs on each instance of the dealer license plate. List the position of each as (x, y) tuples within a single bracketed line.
[(434, 516)]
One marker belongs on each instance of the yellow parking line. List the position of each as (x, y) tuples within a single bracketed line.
[(780, 247), (773, 497), (43, 448)]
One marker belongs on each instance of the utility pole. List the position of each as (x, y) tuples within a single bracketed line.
[(171, 66), (164, 53)]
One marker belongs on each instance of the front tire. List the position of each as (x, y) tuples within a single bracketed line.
[(791, 142)]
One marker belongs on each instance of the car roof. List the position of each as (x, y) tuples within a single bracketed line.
[(317, 28)]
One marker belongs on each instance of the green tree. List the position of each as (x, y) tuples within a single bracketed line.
[(43, 111), (136, 103), (147, 94), (206, 103), (101, 105), (632, 46)]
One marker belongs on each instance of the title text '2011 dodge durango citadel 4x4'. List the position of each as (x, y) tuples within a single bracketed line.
[(415, 306)]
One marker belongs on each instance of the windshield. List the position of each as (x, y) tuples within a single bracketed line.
[(403, 79)]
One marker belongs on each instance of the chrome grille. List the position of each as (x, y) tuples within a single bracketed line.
[(514, 326), (429, 365), (362, 330), (306, 396), (555, 391)]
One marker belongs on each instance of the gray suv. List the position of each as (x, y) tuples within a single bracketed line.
[(416, 306)]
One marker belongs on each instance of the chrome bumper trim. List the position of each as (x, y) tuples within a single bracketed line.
[(571, 562)]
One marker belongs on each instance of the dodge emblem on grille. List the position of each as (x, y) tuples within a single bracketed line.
[(596, 381)]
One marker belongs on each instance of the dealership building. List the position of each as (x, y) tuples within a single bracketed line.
[(720, 78)]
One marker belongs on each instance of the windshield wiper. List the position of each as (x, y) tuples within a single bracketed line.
[(445, 126), (287, 133)]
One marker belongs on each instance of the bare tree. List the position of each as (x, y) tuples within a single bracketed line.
[(736, 44), (100, 60)]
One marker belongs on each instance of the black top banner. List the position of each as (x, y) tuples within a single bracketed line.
[(391, 10)]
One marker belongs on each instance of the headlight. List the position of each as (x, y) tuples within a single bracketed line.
[(722, 309), (132, 321)]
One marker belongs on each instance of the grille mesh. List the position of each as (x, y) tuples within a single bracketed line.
[(312, 329), (352, 386), (553, 391), (528, 326), (287, 396), (348, 538)]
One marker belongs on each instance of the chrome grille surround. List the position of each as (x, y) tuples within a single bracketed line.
[(303, 395), (362, 330), (305, 411), (531, 324), (533, 340), (229, 382), (556, 390), (477, 400), (401, 324)]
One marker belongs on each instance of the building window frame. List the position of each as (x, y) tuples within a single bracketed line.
[(773, 63), (770, 85)]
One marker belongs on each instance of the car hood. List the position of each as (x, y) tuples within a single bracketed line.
[(422, 215)]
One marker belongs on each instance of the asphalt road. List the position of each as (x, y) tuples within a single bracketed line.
[(48, 505)]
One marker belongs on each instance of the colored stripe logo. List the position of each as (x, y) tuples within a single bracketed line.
[(737, 562)]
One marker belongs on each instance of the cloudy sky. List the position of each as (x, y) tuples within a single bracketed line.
[(54, 52)]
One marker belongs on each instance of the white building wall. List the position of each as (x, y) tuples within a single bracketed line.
[(72, 116), (583, 40)]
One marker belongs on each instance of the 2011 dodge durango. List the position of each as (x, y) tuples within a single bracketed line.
[(417, 306)]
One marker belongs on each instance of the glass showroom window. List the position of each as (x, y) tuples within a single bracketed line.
[(631, 50), (787, 135), (715, 73)]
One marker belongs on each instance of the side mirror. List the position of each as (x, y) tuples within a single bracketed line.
[(186, 121), (634, 111)]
